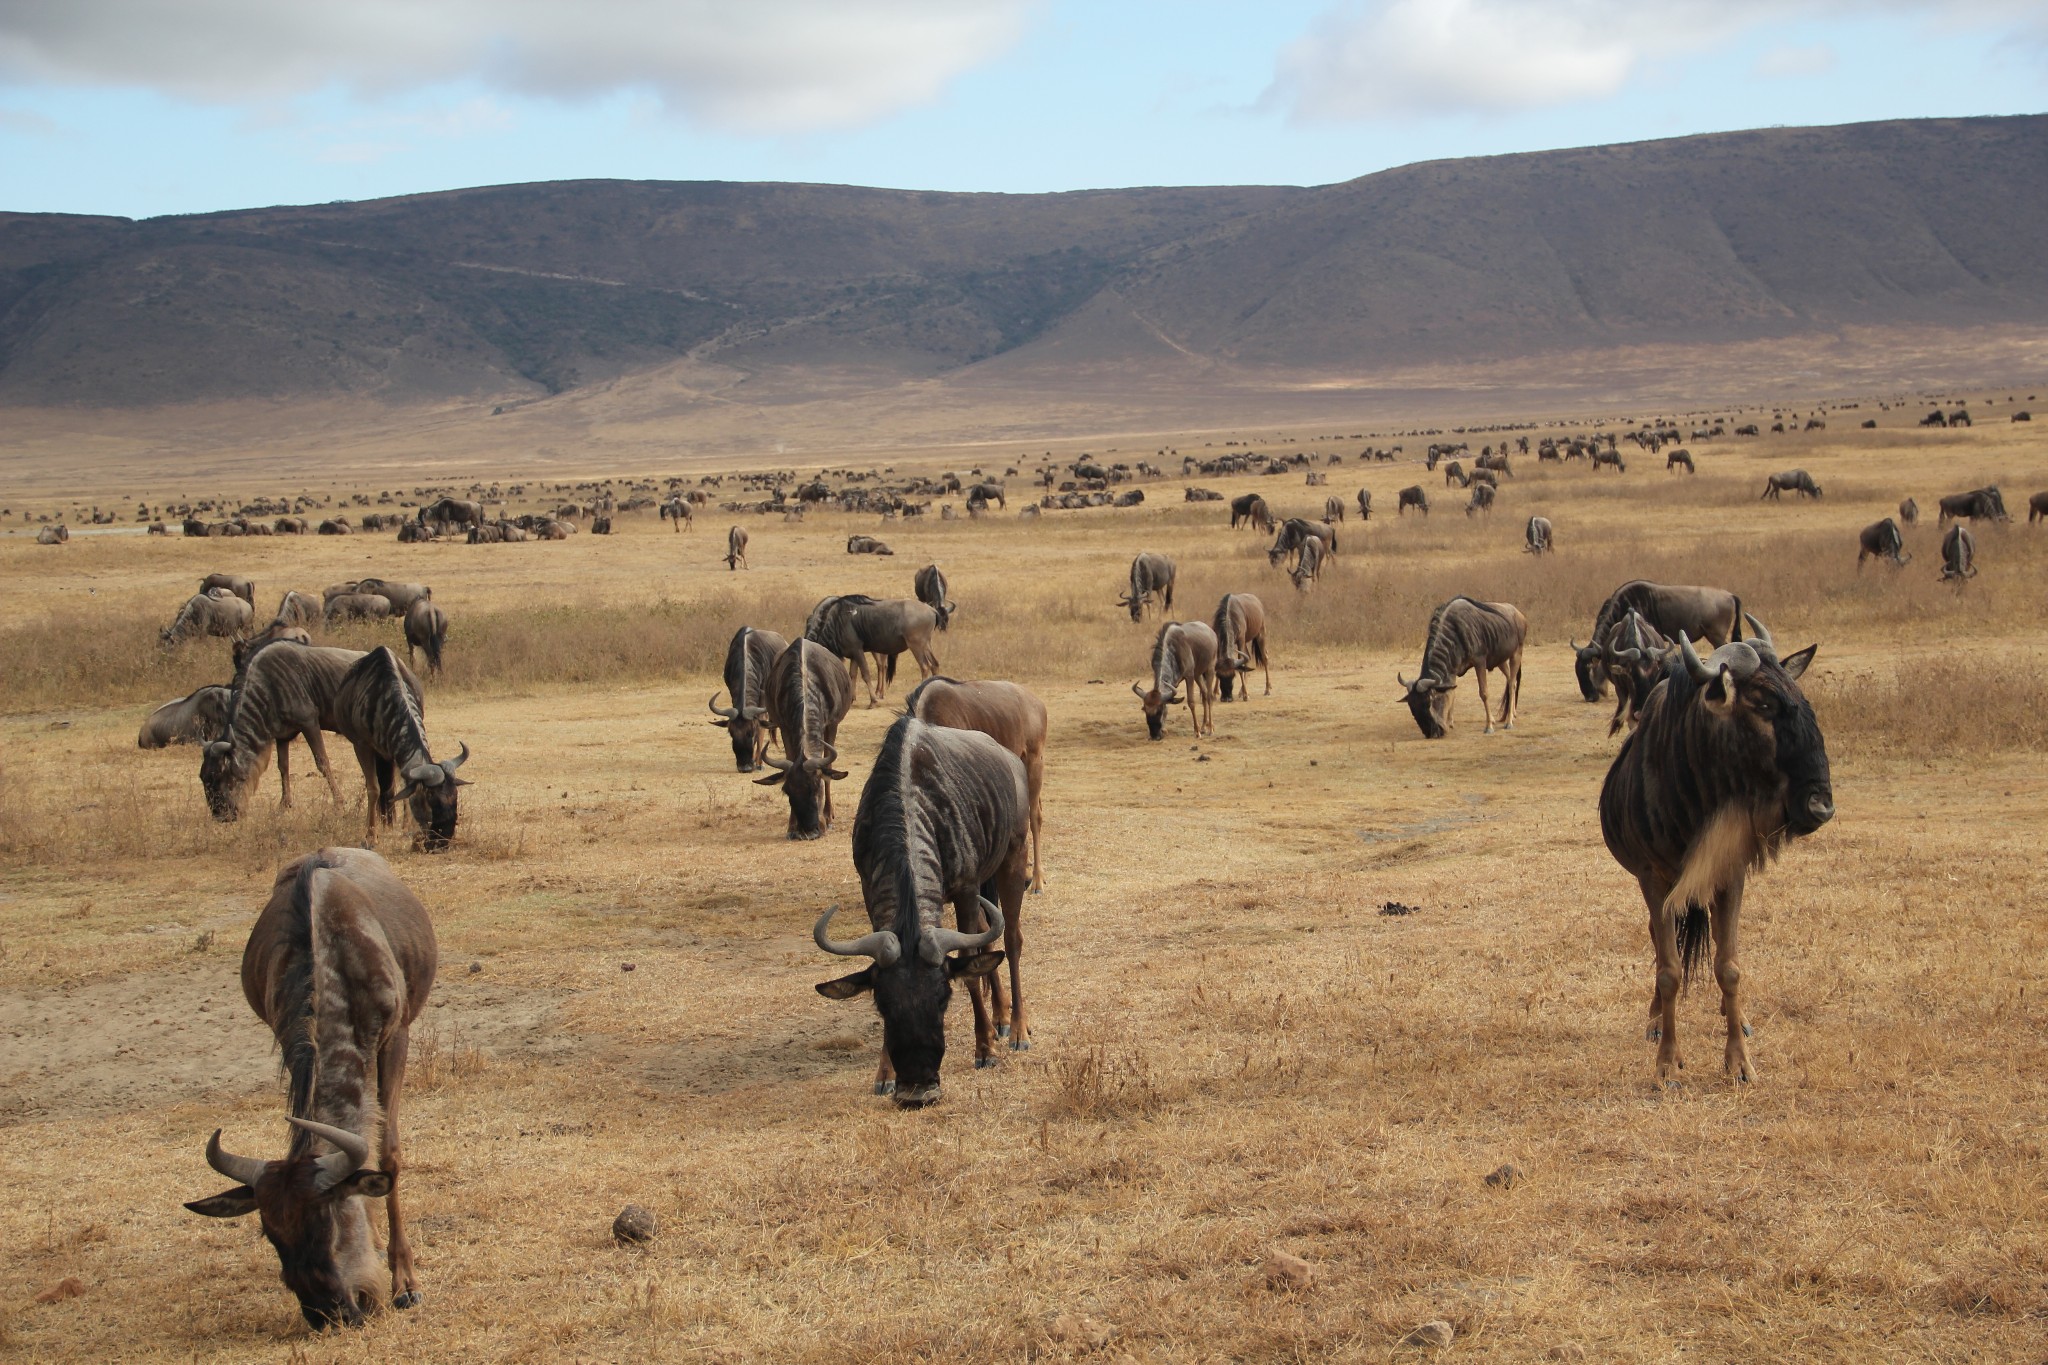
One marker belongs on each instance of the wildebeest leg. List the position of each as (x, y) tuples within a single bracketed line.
[(860, 662), (372, 789), (1727, 920), (405, 1289), (885, 1075), (1208, 686), (1034, 781), (318, 744), (1266, 666), (1485, 702), (1194, 717), (1513, 689), (1010, 884), (927, 662), (284, 771), (967, 913), (1664, 1004)]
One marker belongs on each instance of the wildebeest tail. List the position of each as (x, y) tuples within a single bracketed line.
[(433, 648), (892, 668), (1693, 936), (1737, 635)]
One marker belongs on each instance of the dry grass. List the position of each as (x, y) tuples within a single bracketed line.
[(1236, 1051)]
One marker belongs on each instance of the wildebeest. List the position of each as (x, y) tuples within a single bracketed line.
[(601, 525), (1412, 496), (1635, 654), (377, 709), (426, 630), (336, 526), (1538, 538), (192, 719), (401, 596), (218, 612), (1608, 457), (866, 545), (300, 609), (1979, 504), (855, 626), (748, 658), (1240, 626), (1152, 576), (234, 583), (735, 547), (2037, 508), (677, 509), (944, 819), (339, 964), (1250, 509), (1679, 459), (1333, 508), (1183, 653), (1482, 499), (1466, 636), (1013, 717), (808, 695), (1364, 505), (1703, 613), (60, 534), (1308, 563), (358, 606), (286, 691), (1958, 554), (453, 511), (1726, 765), (1909, 511), (1294, 533), (1881, 540), (1495, 464), (1791, 481), (242, 649), (930, 586), (292, 526), (1454, 473)]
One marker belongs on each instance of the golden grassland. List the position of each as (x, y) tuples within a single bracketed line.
[(1235, 1051)]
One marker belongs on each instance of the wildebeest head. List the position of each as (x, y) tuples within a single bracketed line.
[(742, 725), (912, 990), (225, 774), (1588, 665), (1135, 601), (804, 784), (312, 1213), (429, 791), (1426, 698), (1155, 708), (1641, 661), (1763, 724)]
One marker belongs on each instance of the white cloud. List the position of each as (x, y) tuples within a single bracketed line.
[(766, 66), (1786, 62)]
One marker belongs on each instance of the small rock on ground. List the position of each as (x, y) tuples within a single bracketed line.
[(1435, 1335), (1505, 1178), (634, 1225), (1285, 1270), (1078, 1329)]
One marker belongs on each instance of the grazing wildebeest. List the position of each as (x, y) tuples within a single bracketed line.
[(217, 612), (1909, 511), (1958, 554), (866, 545), (1333, 508), (1014, 718), (944, 818), (1412, 496), (1703, 613), (292, 526), (856, 625), (1679, 459), (2037, 508), (808, 695), (1308, 563), (401, 596), (1608, 457), (426, 629), (748, 658), (1183, 652), (1294, 533), (339, 964), (1454, 473), (735, 547), (677, 509), (1250, 509), (1726, 764), (1495, 464), (453, 511), (1240, 626), (358, 606), (241, 650), (300, 609), (1881, 540), (930, 587), (234, 583), (1979, 504), (286, 691), (1482, 499), (1635, 655), (192, 719), (1364, 505), (1791, 481), (1152, 576), (1466, 636), (1539, 538), (377, 709)]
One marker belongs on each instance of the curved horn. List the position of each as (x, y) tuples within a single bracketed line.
[(1405, 684), (428, 775), (730, 713), (1699, 671), (934, 943), (881, 945), (1137, 692), (246, 1169), (452, 764), (823, 761), (752, 712), (780, 764), (351, 1151), (1759, 638)]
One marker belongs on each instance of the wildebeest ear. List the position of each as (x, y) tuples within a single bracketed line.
[(1796, 665), (369, 1184), (981, 964), (847, 987), (835, 774), (227, 1204), (771, 780), (721, 724)]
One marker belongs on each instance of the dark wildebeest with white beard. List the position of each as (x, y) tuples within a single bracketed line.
[(1183, 653), (1881, 540), (1538, 538), (930, 586), (1013, 717), (1635, 654), (426, 630), (1979, 504), (234, 583), (1466, 636), (1412, 496), (1249, 509), (748, 658), (1152, 576), (1726, 765), (377, 709), (808, 695), (339, 964), (192, 719), (1240, 626), (944, 819), (216, 612), (856, 625), (452, 512), (735, 547), (1703, 613), (285, 691), (1679, 459), (1791, 481), (1958, 554)]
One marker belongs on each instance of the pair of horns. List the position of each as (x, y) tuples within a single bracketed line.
[(815, 764), (1425, 681), (933, 942), (351, 1151), (736, 712), (1738, 658), (434, 774)]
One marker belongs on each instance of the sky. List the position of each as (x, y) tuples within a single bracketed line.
[(149, 107)]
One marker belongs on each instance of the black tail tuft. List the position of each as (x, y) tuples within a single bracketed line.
[(1693, 936), (1738, 620)]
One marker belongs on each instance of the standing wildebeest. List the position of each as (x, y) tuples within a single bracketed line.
[(1958, 554), (1791, 481), (1014, 718), (300, 609), (944, 818), (192, 719), (1412, 496), (1240, 626), (358, 606), (1308, 563), (1881, 540), (1679, 459), (1495, 464), (735, 547), (377, 709), (1152, 576), (1454, 473), (1909, 511), (1482, 499), (1333, 508), (215, 612), (286, 691), (1295, 532), (339, 964), (1635, 654), (1703, 613), (808, 695), (1466, 636), (2037, 508), (426, 629), (1183, 652), (234, 583), (677, 509), (1609, 457), (1364, 505), (1539, 538), (1726, 764), (452, 511), (1979, 504), (856, 625), (930, 587), (1250, 509), (748, 659)]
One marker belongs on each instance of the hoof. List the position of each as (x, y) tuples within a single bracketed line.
[(1745, 1028), (1038, 891), (1002, 1030), (984, 1063), (1654, 1033), (1020, 1045), (885, 1087), (409, 1299)]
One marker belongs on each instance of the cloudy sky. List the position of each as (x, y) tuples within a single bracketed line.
[(144, 107)]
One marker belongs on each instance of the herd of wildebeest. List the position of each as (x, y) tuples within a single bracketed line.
[(1723, 763)]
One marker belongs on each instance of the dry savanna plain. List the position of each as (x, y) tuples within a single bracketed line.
[(1237, 1052)]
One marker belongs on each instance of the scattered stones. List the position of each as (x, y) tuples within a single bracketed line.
[(475, 967), (1431, 1335), (634, 1226), (1506, 1178), (1285, 1270), (1078, 1329), (625, 966), (1396, 908), (70, 1287)]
